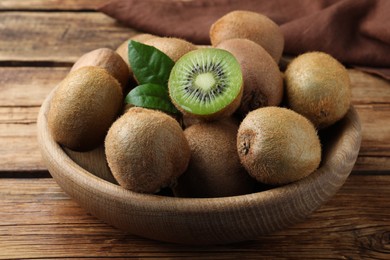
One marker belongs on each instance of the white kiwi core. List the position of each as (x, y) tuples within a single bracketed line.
[(205, 81)]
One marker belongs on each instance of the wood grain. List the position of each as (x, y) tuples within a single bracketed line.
[(28, 86), (376, 130), (38, 220), (93, 161), (22, 90), (372, 165), (19, 149), (369, 89), (59, 5), (67, 35)]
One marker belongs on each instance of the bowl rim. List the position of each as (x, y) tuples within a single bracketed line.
[(306, 194)]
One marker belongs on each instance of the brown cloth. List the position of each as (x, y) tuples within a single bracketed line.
[(356, 32)]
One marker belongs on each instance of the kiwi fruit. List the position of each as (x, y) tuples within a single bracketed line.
[(123, 49), (214, 169), (146, 150), (263, 82), (83, 107), (174, 48), (252, 26), (188, 121), (106, 59), (278, 146), (206, 83), (318, 87)]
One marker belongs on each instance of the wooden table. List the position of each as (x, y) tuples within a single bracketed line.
[(39, 41)]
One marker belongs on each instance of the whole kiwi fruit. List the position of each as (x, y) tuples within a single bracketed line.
[(206, 83), (173, 47), (277, 145), (83, 108), (214, 169), (106, 59), (146, 150), (318, 87), (252, 26), (263, 82)]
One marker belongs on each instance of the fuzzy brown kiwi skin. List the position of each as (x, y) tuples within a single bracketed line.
[(83, 107), (252, 26), (106, 59), (173, 47), (214, 169), (278, 146), (263, 82), (146, 150), (318, 87)]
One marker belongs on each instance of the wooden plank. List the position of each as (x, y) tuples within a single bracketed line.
[(67, 35), (372, 164), (19, 148), (368, 89), (28, 86), (22, 91), (38, 220), (77, 5), (375, 120)]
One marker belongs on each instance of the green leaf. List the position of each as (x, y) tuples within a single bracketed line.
[(151, 96), (149, 64)]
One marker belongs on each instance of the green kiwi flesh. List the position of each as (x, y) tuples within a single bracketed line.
[(206, 83)]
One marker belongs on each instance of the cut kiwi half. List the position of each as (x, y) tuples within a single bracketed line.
[(206, 83)]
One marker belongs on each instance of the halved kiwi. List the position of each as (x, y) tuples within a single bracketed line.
[(206, 83)]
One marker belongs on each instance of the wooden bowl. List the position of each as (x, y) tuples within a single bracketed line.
[(206, 220)]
